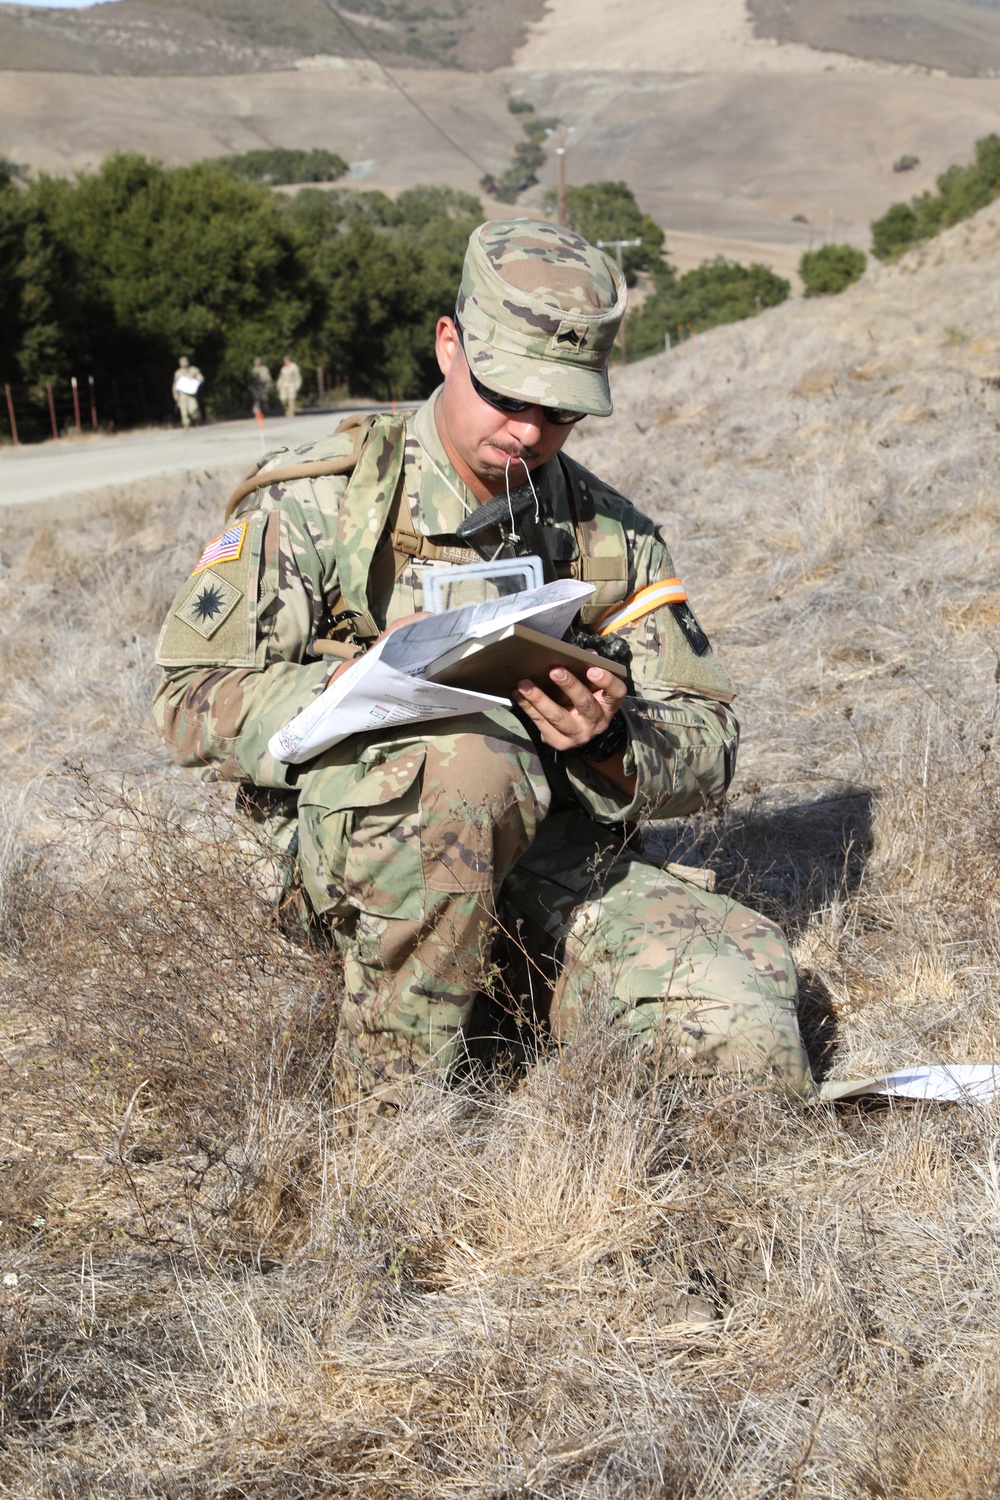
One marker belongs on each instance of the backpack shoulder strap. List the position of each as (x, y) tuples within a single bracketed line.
[(603, 548), (359, 425), (370, 505), (372, 543)]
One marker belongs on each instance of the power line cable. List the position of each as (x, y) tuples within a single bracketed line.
[(397, 85)]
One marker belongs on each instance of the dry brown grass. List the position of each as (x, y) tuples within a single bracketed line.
[(580, 1280)]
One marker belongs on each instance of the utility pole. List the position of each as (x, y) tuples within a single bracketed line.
[(561, 173), (618, 246), (560, 132)]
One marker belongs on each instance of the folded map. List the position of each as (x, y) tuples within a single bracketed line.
[(389, 685)]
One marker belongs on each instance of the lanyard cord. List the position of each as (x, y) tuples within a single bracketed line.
[(444, 478)]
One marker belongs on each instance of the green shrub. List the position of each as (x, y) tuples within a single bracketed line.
[(529, 155), (831, 269), (278, 164), (961, 192), (718, 291), (895, 231)]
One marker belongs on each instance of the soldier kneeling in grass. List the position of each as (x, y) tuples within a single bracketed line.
[(417, 845)]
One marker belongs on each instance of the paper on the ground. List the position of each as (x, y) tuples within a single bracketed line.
[(384, 687), (950, 1083)]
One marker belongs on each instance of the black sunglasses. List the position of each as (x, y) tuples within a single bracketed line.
[(512, 405)]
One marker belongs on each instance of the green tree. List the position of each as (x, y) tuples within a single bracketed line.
[(719, 291), (279, 164), (118, 273), (387, 271), (12, 249), (139, 263), (423, 207), (42, 275), (831, 269), (608, 211)]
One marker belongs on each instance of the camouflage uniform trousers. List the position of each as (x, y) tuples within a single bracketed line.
[(188, 408), (706, 981), (439, 841)]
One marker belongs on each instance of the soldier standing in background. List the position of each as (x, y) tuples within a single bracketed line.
[(187, 383), (289, 384), (420, 846), (261, 385)]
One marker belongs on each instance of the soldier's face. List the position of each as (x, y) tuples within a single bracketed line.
[(485, 444)]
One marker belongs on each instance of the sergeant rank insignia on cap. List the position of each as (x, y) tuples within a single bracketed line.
[(224, 548)]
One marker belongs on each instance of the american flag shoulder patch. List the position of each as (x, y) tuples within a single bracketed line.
[(224, 548)]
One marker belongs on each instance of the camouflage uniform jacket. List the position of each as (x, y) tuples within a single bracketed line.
[(236, 646)]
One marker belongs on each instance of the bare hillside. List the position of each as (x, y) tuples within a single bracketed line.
[(735, 144), (591, 1279), (196, 37), (961, 37)]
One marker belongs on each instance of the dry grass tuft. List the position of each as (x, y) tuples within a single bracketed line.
[(581, 1278)]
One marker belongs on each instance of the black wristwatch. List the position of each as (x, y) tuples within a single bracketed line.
[(606, 744)]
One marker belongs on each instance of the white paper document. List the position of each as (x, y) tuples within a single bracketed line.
[(947, 1083), (386, 687)]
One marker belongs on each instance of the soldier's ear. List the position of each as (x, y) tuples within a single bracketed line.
[(446, 345)]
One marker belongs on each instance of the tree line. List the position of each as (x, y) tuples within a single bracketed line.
[(110, 277), (114, 275)]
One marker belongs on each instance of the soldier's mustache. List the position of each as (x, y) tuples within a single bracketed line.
[(515, 451)]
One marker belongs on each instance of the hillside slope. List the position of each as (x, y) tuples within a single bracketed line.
[(846, 449), (956, 36), (961, 37), (194, 37), (734, 144)]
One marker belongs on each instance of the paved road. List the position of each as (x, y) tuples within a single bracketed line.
[(72, 468)]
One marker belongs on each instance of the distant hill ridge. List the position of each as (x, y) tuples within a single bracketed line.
[(197, 37), (960, 37), (191, 37)]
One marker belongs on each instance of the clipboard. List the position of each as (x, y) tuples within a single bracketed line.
[(496, 662)]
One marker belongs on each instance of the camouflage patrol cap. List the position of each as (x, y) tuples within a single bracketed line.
[(539, 309)]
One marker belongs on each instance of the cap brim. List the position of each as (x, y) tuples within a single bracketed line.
[(548, 382)]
